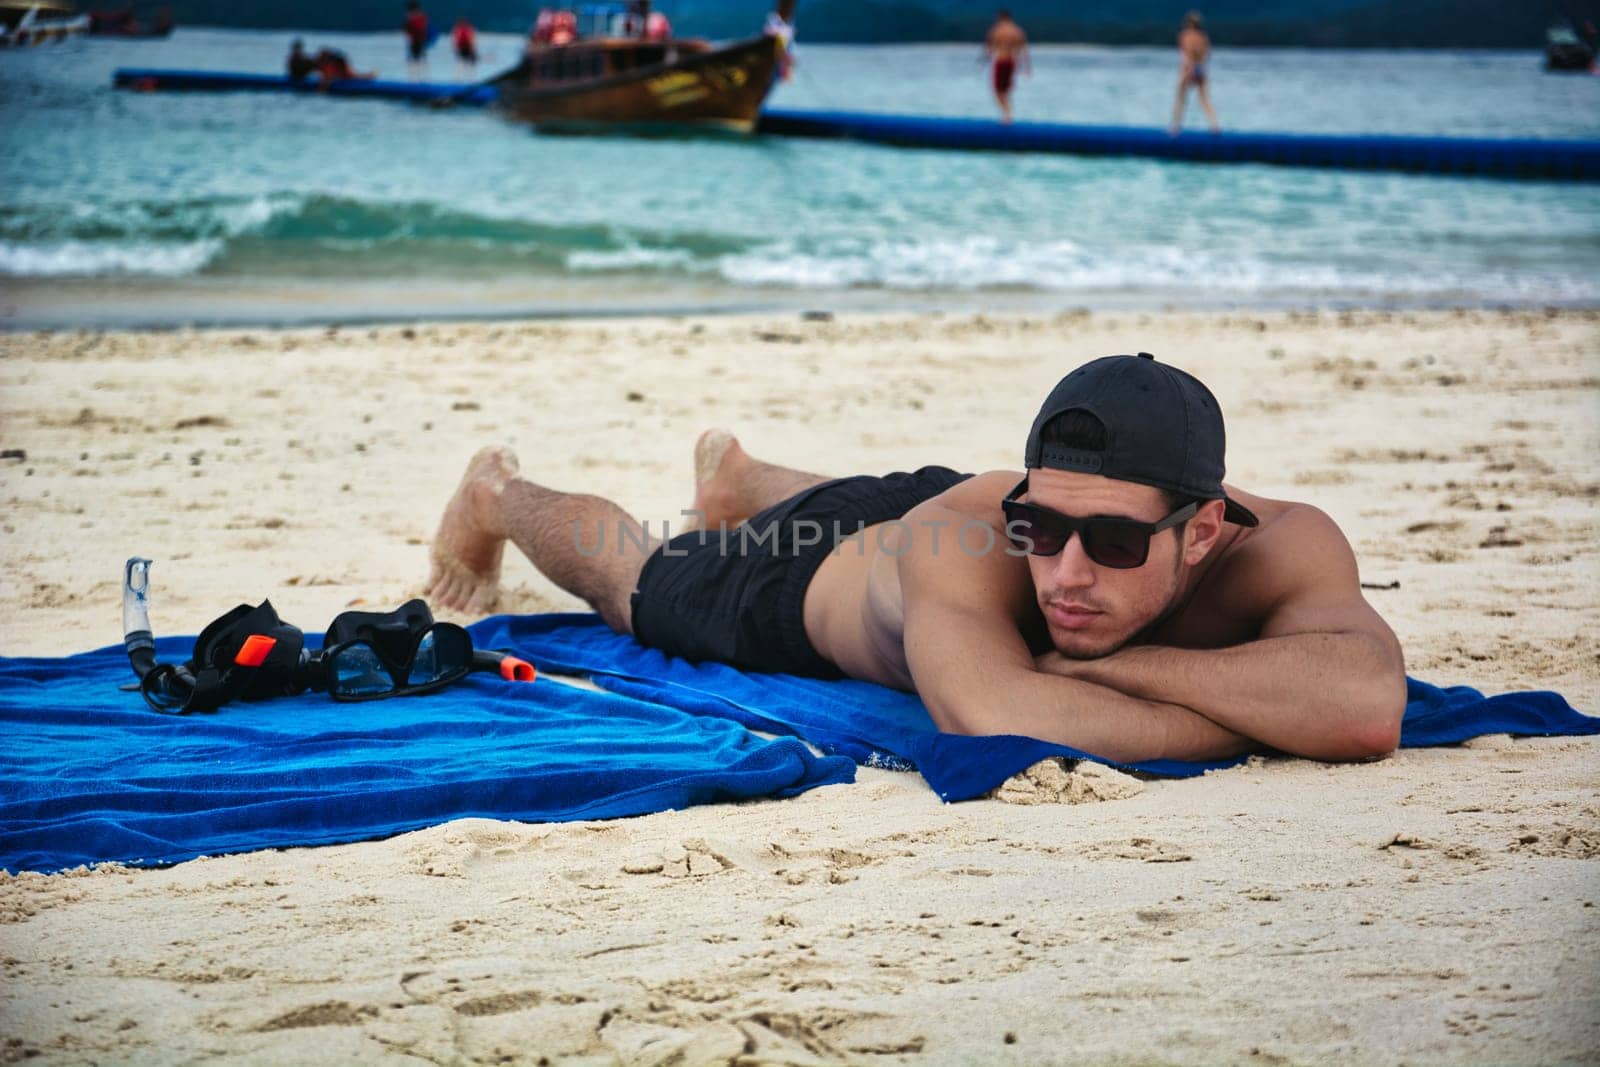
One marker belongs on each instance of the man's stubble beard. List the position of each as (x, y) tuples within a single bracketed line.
[(1168, 609)]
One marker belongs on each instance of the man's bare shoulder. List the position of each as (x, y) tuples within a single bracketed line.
[(952, 548), (977, 497), (1296, 549), (1296, 544), (1283, 520), (1007, 33)]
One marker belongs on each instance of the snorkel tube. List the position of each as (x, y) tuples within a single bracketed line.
[(162, 683), (136, 615), (247, 654), (509, 667)]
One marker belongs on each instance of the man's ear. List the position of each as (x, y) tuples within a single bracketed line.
[(1202, 531)]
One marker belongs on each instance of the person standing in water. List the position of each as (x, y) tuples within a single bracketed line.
[(1194, 49), (778, 26), (418, 38), (1005, 47), (465, 39)]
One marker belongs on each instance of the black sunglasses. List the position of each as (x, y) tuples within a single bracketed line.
[(1109, 540)]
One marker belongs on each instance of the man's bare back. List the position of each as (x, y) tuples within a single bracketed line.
[(1006, 40)]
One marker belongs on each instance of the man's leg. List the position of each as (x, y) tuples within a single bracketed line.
[(585, 544), (1177, 108), (730, 485), (1204, 92)]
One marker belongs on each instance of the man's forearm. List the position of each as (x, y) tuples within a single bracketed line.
[(1094, 718), (1324, 695)]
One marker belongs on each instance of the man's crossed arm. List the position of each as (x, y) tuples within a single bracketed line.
[(1324, 679)]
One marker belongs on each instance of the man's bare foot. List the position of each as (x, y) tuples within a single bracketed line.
[(466, 552), (718, 461)]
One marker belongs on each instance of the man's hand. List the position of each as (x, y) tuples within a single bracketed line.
[(1053, 662)]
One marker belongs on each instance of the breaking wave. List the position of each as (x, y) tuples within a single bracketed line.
[(322, 236)]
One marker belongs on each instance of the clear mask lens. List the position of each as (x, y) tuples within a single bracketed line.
[(440, 654), (357, 671), (425, 668)]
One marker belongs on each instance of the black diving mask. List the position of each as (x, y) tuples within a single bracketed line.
[(369, 655)]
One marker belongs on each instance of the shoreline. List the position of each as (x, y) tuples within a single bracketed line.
[(1427, 908), (149, 306)]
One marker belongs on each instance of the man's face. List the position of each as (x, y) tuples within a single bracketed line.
[(1092, 610)]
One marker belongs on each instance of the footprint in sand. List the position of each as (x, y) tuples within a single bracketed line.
[(450, 851), (1564, 842), (1405, 845), (694, 858), (1144, 849), (697, 857), (500, 1003), (328, 1013)]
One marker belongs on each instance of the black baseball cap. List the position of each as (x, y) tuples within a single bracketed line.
[(1163, 428)]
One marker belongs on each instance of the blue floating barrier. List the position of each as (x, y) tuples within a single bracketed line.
[(1569, 160), (1519, 157), (151, 80)]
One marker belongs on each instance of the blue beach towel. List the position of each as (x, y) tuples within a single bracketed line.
[(883, 727), (88, 774)]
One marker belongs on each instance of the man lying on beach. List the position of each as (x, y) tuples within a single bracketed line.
[(1118, 598)]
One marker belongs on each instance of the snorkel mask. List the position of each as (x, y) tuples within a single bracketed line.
[(251, 654), (370, 655)]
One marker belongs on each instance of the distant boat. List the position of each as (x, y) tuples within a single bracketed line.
[(617, 78), (125, 23), (1565, 50), (30, 22)]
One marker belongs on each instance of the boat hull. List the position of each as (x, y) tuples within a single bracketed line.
[(1570, 58), (721, 88)]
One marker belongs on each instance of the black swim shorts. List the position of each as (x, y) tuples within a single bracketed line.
[(739, 598)]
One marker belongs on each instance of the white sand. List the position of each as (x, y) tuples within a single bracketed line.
[(1438, 906)]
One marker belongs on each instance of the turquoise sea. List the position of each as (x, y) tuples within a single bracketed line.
[(142, 209)]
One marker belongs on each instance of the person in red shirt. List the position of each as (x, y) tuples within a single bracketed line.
[(563, 28), (466, 42), (415, 28)]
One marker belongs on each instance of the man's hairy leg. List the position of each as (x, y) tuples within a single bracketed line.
[(585, 544), (730, 485)]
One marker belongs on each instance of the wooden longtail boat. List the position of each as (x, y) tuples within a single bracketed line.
[(606, 82)]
